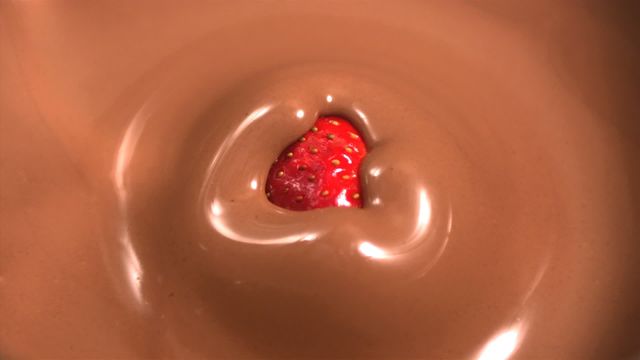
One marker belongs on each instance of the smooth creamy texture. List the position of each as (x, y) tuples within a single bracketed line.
[(501, 209)]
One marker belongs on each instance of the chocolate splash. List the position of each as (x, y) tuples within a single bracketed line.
[(502, 212)]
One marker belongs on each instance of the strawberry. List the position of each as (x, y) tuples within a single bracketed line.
[(320, 169)]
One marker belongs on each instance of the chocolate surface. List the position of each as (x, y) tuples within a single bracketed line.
[(501, 188)]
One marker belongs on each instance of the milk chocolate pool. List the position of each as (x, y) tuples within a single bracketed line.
[(501, 215)]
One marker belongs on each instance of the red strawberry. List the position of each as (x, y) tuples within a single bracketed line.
[(320, 169)]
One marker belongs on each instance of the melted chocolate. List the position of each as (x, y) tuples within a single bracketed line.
[(501, 212)]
